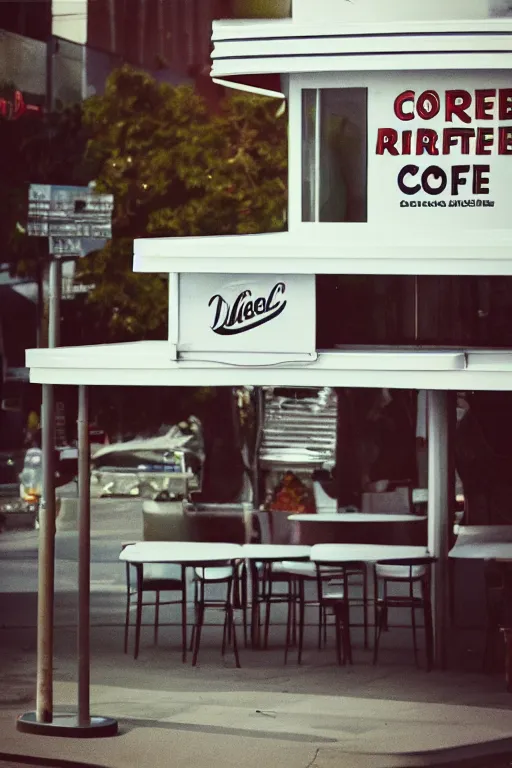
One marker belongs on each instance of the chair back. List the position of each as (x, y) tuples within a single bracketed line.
[(397, 502), (165, 521), (333, 578), (408, 569)]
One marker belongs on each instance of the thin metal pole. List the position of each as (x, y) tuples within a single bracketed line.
[(55, 292), (438, 516), (44, 690), (84, 557)]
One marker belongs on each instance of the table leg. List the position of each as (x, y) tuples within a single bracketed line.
[(255, 611)]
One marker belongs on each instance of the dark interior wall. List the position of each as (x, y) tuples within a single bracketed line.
[(31, 18)]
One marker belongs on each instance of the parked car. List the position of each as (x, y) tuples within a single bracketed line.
[(165, 466), (15, 510)]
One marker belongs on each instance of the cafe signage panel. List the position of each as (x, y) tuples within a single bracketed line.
[(247, 313), (442, 144)]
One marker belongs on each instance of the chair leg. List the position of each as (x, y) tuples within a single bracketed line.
[(138, 619), (244, 604), (320, 625), (288, 631), (347, 642), (255, 607), (127, 619), (197, 633), (414, 634), (380, 620), (365, 607), (337, 625), (301, 620), (225, 630), (325, 628), (233, 635), (183, 614), (196, 613), (429, 635), (157, 617), (294, 589), (268, 599)]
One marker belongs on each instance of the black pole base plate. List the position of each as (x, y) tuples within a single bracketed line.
[(67, 725)]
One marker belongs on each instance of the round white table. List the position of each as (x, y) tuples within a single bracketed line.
[(355, 517), (482, 550), (366, 553)]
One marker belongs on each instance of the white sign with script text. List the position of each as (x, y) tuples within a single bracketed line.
[(247, 313)]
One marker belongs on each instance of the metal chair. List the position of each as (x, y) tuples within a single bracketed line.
[(332, 596), (414, 573), (205, 574), (153, 578)]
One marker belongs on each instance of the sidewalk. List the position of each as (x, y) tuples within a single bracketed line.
[(214, 716)]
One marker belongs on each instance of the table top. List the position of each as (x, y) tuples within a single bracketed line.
[(482, 550), (355, 517), (180, 552), (276, 552), (368, 553)]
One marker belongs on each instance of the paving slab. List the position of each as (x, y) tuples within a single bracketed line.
[(256, 728)]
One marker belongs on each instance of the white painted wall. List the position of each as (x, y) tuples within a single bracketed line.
[(392, 10), (69, 20)]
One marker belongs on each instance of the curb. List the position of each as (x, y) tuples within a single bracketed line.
[(50, 762)]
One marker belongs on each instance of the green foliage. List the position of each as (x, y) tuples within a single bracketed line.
[(176, 170)]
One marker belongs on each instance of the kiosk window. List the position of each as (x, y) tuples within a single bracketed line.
[(334, 155), (424, 310)]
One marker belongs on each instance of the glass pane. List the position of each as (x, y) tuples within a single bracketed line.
[(401, 310), (308, 154), (365, 309), (343, 154), (472, 311)]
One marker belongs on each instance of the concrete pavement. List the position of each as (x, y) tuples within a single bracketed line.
[(316, 715)]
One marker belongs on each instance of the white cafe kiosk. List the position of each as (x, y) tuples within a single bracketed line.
[(427, 96)]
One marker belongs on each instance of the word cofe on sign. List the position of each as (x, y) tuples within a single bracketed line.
[(475, 109), (247, 313)]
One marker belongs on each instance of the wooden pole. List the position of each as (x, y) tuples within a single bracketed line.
[(84, 557), (45, 603)]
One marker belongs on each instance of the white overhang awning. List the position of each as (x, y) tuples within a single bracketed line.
[(321, 251), (148, 363), (250, 47)]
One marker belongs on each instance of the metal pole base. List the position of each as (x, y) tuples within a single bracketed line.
[(67, 725)]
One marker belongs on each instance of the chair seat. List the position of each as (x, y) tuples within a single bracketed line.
[(401, 572), (290, 567), (169, 585), (213, 574)]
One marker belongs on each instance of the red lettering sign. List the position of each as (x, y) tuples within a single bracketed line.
[(15, 108)]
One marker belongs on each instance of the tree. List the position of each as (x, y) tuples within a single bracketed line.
[(36, 148), (176, 170)]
